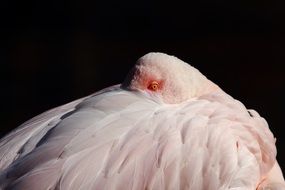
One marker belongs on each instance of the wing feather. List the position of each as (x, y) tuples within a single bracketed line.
[(120, 139)]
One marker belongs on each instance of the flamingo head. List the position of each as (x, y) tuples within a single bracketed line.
[(168, 77)]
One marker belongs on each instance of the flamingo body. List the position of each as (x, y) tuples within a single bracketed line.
[(133, 139)]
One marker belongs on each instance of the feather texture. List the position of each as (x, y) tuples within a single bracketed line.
[(118, 139)]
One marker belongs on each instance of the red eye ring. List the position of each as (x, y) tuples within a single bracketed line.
[(153, 86)]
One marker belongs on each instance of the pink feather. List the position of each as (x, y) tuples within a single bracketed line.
[(133, 139)]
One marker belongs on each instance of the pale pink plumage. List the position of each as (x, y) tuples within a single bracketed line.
[(127, 138)]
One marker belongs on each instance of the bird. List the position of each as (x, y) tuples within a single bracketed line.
[(165, 127)]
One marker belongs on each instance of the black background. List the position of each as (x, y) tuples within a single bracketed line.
[(53, 52)]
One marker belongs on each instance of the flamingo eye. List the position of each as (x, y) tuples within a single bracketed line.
[(153, 86)]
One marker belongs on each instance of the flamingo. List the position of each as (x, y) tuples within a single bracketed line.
[(165, 127)]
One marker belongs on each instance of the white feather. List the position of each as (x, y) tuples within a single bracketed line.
[(124, 140), (128, 138)]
